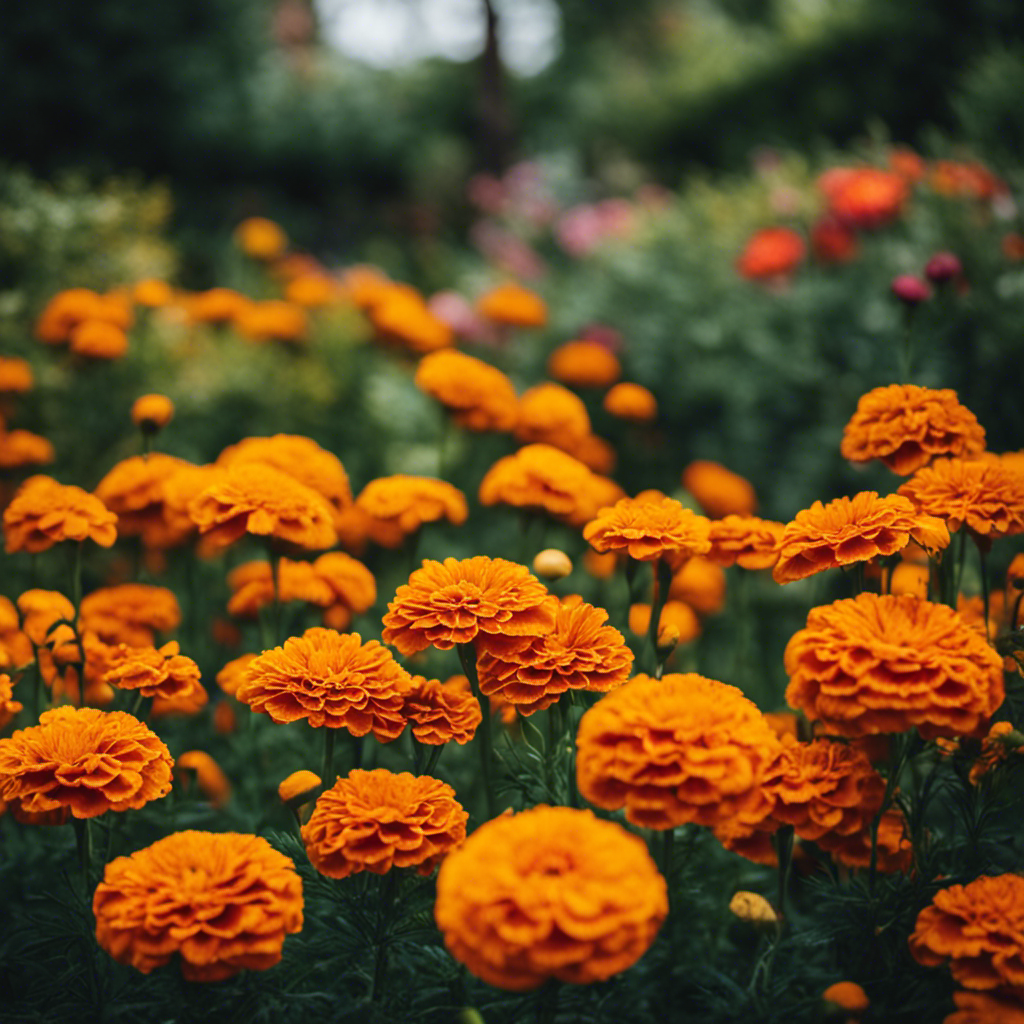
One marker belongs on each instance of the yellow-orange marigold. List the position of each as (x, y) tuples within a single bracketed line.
[(379, 820), (647, 531), (15, 376), (98, 339), (872, 664), (397, 506), (223, 902), (628, 401), (479, 396), (272, 320), (847, 995), (719, 491), (210, 777), (551, 892), (232, 675), (152, 412), (514, 305), (584, 364), (438, 713), (153, 672), (217, 306), (130, 613), (68, 309), (746, 541), (152, 292), (700, 583), (401, 314), (23, 448), (298, 785), (552, 414), (44, 512), (260, 238), (134, 490)]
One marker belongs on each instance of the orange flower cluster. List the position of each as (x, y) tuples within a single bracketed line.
[(44, 512), (629, 401), (719, 491), (582, 653), (156, 672), (9, 707), (746, 541), (552, 414), (496, 604), (771, 253), (864, 197), (970, 180), (134, 490), (74, 308), (986, 496), (131, 613), (851, 530), (400, 314), (439, 713), (216, 306), (260, 238), (98, 339), (874, 664), (649, 530), (223, 902), (674, 750), (397, 506), (84, 759), (23, 448), (979, 929), (906, 426), (272, 320), (379, 820), (479, 396), (332, 680), (15, 376), (584, 364), (514, 306), (551, 892)]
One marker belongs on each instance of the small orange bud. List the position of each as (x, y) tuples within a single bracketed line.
[(151, 413), (298, 786), (847, 995), (224, 718), (749, 906), (552, 564)]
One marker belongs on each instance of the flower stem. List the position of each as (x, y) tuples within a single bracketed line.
[(662, 581), (983, 556), (467, 655), (83, 840), (389, 886), (547, 1008), (275, 579), (783, 843), (327, 772)]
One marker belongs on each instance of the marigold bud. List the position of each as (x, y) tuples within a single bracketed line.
[(910, 290), (749, 906), (151, 413), (552, 564), (298, 787), (847, 995)]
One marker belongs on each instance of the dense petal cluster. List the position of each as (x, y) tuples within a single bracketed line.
[(331, 679), (906, 426), (130, 613), (23, 448), (45, 512), (649, 530), (479, 396), (719, 491), (154, 672), (628, 401), (864, 197), (496, 604), (438, 713), (551, 892), (851, 530), (379, 820), (584, 364), (581, 653), (397, 506), (679, 749), (746, 541), (883, 664), (223, 902), (771, 253), (9, 707), (88, 760), (134, 490), (552, 414)]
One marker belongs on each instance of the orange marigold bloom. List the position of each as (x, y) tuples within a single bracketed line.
[(746, 541), (23, 448), (847, 995), (217, 306), (44, 512), (210, 777), (678, 749), (232, 675), (272, 320), (152, 412), (298, 785), (719, 491), (496, 604), (678, 622), (89, 760), (40, 610), (154, 672), (397, 506), (260, 238), (631, 402), (68, 309), (864, 197), (894, 851), (851, 530), (152, 292), (1002, 738), (9, 707), (130, 613), (400, 314), (647, 531), (179, 489), (15, 376), (700, 583), (99, 339), (223, 902), (313, 291), (552, 414), (1004, 1006), (979, 929), (379, 820), (479, 396), (910, 578), (771, 253), (874, 664), (584, 364), (256, 498), (985, 495), (551, 892), (438, 713), (331, 679), (513, 305), (970, 180), (906, 426), (582, 653), (134, 490)]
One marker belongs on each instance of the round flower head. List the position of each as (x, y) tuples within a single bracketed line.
[(874, 664), (9, 707), (513, 305), (98, 339), (438, 713), (584, 364), (75, 306), (217, 306), (719, 491), (223, 902), (978, 929), (298, 785), (674, 750), (154, 672), (628, 401), (752, 907), (551, 892), (232, 675), (397, 506), (986, 496), (255, 498), (272, 320), (906, 426), (131, 613), (851, 530), (551, 564), (403, 316), (701, 584), (44, 513), (134, 490), (210, 778), (582, 653), (331, 679), (746, 541), (479, 396), (152, 293), (864, 197), (499, 605), (179, 489), (15, 376), (649, 530), (847, 995), (379, 820), (552, 414), (260, 238), (771, 253), (910, 289), (23, 448), (313, 290), (88, 760), (151, 413)]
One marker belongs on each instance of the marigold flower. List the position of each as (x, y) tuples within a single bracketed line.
[(864, 197), (584, 364), (152, 292), (874, 664), (552, 414), (906, 426), (134, 490), (9, 707), (751, 906), (496, 604), (647, 531), (700, 583), (222, 901), (15, 376), (154, 672), (313, 291), (401, 314), (44, 512), (1003, 1006), (98, 339), (68, 309), (513, 305), (631, 402), (130, 613), (771, 253), (298, 785), (260, 238), (232, 675), (582, 653), (1002, 738), (746, 541), (23, 448), (40, 611), (893, 851), (972, 180), (210, 777), (847, 995), (678, 622), (479, 396), (438, 713), (851, 530), (331, 679), (89, 760), (178, 490), (217, 306), (272, 320), (551, 892), (397, 506), (678, 749), (985, 495), (150, 413), (718, 490)]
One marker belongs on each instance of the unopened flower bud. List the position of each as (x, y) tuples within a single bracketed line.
[(910, 290), (942, 268), (749, 906), (298, 787), (846, 995), (668, 640), (552, 564), (151, 413)]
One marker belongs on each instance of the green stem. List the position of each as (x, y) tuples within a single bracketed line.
[(389, 887), (857, 572), (983, 558), (432, 758), (356, 746), (275, 577), (83, 840), (662, 581), (467, 655), (136, 708), (783, 843), (327, 771), (547, 1007), (961, 559), (897, 756), (76, 576)]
